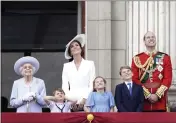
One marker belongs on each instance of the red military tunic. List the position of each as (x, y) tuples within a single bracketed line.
[(155, 75)]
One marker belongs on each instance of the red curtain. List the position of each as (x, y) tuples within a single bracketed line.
[(82, 118)]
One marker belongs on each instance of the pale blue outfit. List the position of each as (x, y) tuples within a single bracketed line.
[(59, 107), (19, 89), (100, 102)]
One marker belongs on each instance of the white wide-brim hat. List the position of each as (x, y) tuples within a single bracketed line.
[(24, 60), (81, 38)]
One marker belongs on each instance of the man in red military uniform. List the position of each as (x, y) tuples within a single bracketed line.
[(153, 70)]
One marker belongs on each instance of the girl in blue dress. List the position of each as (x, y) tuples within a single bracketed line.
[(100, 100)]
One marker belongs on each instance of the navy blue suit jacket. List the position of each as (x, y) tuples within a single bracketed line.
[(126, 102)]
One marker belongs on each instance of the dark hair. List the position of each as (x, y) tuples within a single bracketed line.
[(69, 50), (94, 90), (58, 89), (124, 67)]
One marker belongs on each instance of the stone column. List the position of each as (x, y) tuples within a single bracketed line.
[(119, 40), (98, 30)]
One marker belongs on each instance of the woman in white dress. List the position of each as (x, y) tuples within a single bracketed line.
[(27, 92), (77, 75)]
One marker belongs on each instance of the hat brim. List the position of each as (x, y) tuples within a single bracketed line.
[(80, 38), (24, 60)]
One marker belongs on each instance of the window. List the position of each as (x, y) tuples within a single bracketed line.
[(38, 25)]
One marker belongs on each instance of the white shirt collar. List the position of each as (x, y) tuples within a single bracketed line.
[(81, 60), (128, 82), (59, 103)]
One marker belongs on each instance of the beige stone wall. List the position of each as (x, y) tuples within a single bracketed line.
[(106, 38), (119, 40), (99, 37)]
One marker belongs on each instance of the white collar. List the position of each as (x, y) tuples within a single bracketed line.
[(82, 60), (60, 103), (128, 82)]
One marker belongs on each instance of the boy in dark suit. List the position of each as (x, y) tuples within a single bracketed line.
[(129, 97)]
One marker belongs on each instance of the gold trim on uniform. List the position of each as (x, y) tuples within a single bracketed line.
[(137, 62), (146, 92), (147, 64), (160, 91)]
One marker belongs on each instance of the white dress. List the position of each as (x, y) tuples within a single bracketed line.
[(19, 89), (77, 84)]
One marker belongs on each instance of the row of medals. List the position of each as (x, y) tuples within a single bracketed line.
[(159, 62)]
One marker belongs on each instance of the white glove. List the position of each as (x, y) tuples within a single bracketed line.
[(25, 97), (29, 96)]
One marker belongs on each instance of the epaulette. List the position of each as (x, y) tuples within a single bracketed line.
[(139, 54), (162, 53)]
